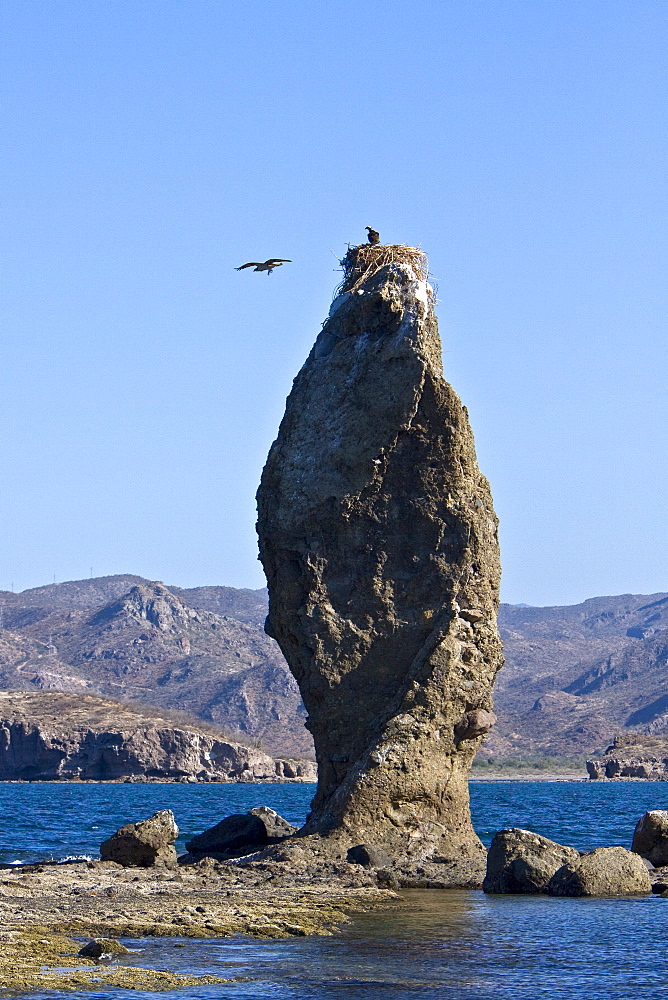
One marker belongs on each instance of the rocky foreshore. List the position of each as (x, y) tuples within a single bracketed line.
[(49, 911), (253, 874), (60, 919)]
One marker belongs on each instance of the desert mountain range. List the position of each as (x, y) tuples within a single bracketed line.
[(574, 676)]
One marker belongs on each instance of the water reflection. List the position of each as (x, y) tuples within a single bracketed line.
[(449, 946)]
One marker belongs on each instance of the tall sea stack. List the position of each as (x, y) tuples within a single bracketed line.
[(379, 541)]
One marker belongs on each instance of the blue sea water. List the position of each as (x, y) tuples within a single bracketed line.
[(446, 945)]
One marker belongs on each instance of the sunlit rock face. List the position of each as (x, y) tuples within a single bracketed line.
[(379, 540)]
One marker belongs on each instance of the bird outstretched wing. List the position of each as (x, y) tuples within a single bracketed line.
[(278, 260), (251, 263)]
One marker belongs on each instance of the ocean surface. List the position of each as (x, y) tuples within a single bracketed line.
[(446, 945)]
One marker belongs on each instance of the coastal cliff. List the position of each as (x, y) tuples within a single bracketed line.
[(134, 640), (632, 755), (55, 737), (379, 541)]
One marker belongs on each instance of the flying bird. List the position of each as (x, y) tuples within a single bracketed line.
[(373, 236), (267, 265)]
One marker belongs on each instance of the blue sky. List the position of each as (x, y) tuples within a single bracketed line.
[(149, 147)]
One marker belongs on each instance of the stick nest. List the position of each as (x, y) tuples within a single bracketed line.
[(363, 261)]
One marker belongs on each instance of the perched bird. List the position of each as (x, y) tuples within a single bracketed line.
[(373, 236), (267, 266)]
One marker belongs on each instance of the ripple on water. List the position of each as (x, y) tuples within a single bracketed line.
[(446, 945), (440, 945)]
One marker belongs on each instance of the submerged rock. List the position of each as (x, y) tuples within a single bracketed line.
[(520, 861), (606, 871), (103, 948), (379, 540), (650, 837), (144, 844)]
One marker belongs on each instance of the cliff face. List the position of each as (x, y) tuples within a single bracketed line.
[(50, 737), (633, 755), (379, 541)]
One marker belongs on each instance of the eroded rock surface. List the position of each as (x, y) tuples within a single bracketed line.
[(379, 541), (606, 871), (144, 844), (633, 755), (47, 736), (520, 861), (650, 837)]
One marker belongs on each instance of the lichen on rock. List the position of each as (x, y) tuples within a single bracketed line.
[(379, 540)]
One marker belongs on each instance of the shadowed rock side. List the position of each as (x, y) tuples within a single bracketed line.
[(379, 541)]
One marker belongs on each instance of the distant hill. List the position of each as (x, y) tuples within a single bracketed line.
[(124, 637), (574, 676)]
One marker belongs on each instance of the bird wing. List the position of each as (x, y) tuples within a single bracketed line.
[(251, 263), (278, 260)]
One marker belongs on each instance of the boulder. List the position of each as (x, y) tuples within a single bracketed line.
[(606, 871), (241, 833), (149, 842), (520, 861), (103, 948), (231, 835), (276, 827), (379, 540), (659, 879), (369, 856), (387, 879), (650, 838)]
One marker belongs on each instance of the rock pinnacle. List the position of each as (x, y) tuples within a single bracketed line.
[(379, 540)]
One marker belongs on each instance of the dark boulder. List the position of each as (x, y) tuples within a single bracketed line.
[(520, 861), (103, 948), (369, 856), (241, 834)]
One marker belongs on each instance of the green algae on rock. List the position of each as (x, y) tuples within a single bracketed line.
[(43, 959)]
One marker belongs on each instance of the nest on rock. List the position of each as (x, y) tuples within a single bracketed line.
[(363, 261)]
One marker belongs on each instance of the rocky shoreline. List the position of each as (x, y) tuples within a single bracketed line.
[(248, 875), (255, 875), (49, 911), (632, 755)]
